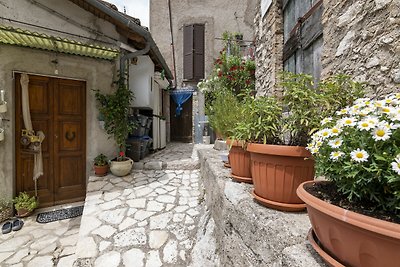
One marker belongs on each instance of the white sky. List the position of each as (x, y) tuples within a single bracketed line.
[(135, 8)]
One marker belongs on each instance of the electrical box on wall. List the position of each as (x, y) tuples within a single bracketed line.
[(141, 82)]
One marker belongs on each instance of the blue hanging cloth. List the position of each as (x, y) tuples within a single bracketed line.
[(180, 97)]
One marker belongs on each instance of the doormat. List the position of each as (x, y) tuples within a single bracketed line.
[(57, 215)]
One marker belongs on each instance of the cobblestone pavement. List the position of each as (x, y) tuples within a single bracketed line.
[(41, 245), (144, 219)]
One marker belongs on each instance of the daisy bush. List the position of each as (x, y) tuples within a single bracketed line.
[(359, 150)]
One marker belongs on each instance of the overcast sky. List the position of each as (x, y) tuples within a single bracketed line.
[(135, 8)]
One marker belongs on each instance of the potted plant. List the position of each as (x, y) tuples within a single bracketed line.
[(355, 215), (25, 204), (100, 165), (232, 78), (114, 108), (279, 131), (5, 209)]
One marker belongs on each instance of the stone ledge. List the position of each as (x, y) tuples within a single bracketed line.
[(246, 233)]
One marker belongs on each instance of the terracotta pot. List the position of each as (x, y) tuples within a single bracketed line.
[(239, 160), (277, 172), (348, 238), (100, 170), (21, 213), (121, 168)]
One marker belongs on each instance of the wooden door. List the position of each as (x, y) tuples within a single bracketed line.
[(182, 126), (57, 108)]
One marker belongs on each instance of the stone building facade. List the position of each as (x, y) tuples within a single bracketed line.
[(216, 16), (360, 38)]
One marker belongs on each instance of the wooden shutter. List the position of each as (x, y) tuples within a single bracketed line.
[(188, 73), (193, 52), (198, 52)]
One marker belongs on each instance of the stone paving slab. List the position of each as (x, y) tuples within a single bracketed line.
[(41, 245), (176, 156), (147, 218)]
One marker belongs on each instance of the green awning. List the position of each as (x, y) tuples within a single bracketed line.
[(16, 36)]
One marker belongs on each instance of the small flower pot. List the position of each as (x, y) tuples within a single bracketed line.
[(100, 170), (21, 213), (121, 168)]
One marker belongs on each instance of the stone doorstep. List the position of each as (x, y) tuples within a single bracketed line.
[(246, 233)]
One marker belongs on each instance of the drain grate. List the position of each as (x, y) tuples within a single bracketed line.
[(62, 214)]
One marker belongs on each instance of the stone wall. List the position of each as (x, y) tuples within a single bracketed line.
[(244, 233), (362, 39), (269, 48)]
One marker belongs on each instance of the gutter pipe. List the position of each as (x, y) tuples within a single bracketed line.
[(150, 44)]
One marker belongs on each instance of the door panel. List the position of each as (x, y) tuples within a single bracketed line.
[(182, 126), (69, 154), (57, 109)]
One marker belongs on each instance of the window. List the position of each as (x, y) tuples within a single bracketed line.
[(302, 30), (193, 52)]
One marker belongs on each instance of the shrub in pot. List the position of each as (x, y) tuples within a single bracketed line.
[(280, 161), (25, 204), (114, 108), (355, 215), (100, 165), (224, 92)]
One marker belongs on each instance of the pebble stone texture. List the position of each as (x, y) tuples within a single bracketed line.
[(40, 245)]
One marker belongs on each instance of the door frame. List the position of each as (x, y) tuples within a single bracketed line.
[(17, 73)]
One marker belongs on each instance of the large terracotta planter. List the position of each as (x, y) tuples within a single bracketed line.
[(121, 168), (239, 160), (343, 237), (277, 172)]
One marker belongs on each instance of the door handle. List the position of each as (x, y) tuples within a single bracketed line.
[(70, 136)]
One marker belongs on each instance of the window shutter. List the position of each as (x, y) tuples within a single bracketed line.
[(198, 52), (188, 73), (193, 52)]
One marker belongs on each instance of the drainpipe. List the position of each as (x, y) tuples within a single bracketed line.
[(129, 56), (136, 28), (172, 42)]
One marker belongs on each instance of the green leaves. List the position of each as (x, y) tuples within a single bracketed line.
[(115, 109)]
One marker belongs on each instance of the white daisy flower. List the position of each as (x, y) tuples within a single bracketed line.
[(386, 110), (348, 121), (326, 120), (396, 165), (335, 143), (359, 155), (372, 120), (335, 155), (335, 131), (365, 125), (397, 96), (362, 101), (325, 133), (381, 134), (385, 124), (343, 111)]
